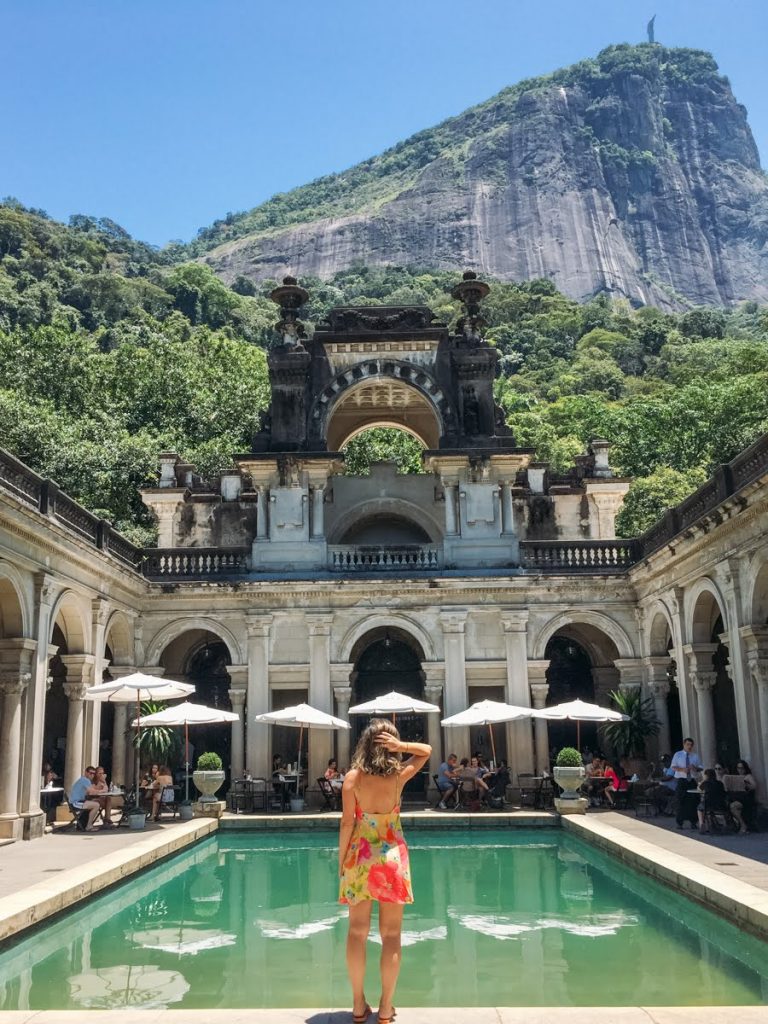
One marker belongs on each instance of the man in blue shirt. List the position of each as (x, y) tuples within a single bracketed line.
[(686, 765), (447, 780), (78, 795)]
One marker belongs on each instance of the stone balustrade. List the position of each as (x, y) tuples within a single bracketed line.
[(194, 563), (578, 556), (382, 558)]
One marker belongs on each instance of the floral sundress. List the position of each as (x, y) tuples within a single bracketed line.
[(376, 866)]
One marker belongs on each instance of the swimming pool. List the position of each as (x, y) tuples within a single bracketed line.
[(500, 919)]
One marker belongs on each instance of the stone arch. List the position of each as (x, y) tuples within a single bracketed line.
[(660, 631), (382, 507), (757, 602), (73, 618), (118, 637), (704, 605), (590, 629), (14, 615), (379, 624), (172, 630), (382, 392)]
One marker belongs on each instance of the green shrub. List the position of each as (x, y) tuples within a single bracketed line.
[(209, 762), (569, 757)]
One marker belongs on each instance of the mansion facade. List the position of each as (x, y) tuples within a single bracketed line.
[(285, 580)]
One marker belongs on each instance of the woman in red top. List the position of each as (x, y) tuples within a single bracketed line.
[(616, 785)]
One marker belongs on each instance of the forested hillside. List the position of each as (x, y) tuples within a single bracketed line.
[(110, 353)]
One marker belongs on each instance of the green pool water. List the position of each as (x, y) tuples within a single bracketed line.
[(500, 919)]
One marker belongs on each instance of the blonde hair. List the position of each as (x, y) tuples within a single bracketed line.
[(373, 758)]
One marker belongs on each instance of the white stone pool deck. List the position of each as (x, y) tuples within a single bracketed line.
[(42, 878)]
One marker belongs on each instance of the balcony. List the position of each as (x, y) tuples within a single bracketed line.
[(382, 558), (194, 563), (578, 556)]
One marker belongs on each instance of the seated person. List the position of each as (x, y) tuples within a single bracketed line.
[(447, 781), (662, 791), (595, 769), (78, 795), (744, 802), (713, 795), (470, 780), (146, 785), (617, 783), (162, 779), (277, 763), (333, 775), (96, 798)]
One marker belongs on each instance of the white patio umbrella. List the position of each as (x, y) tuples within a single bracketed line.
[(490, 713), (302, 716), (187, 714), (579, 711), (393, 703), (138, 686), (123, 985)]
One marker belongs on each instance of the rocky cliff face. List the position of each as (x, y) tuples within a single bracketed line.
[(634, 174)]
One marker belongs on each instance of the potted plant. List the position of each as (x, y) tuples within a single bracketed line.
[(209, 776), (569, 774), (628, 738)]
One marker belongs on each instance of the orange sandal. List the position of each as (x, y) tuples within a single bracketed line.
[(361, 1018)]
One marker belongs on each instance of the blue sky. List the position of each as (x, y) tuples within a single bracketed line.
[(166, 114)]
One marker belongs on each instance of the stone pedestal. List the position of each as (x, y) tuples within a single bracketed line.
[(209, 809), (577, 806)]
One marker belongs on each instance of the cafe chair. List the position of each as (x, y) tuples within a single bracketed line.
[(528, 785), (718, 819), (168, 801), (331, 795), (238, 797)]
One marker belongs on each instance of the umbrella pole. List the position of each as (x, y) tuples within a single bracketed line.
[(493, 745), (186, 762), (298, 763), (578, 735), (138, 749)]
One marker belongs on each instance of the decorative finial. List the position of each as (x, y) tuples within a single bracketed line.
[(470, 292), (290, 297)]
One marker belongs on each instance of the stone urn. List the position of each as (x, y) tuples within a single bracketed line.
[(570, 800), (208, 783)]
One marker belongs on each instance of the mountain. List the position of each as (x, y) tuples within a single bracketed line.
[(634, 174)]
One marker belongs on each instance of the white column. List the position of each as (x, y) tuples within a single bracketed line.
[(750, 746), (433, 693), (320, 740), (261, 513), (507, 516), (537, 678), (318, 511), (119, 745), (343, 695), (519, 734), (450, 509), (703, 678), (237, 697), (657, 684), (257, 734), (756, 642), (100, 610), (12, 685), (453, 624), (79, 668), (33, 726)]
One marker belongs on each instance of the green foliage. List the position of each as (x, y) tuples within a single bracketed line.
[(109, 355), (649, 498), (380, 444), (628, 738), (209, 762), (569, 757), (156, 743)]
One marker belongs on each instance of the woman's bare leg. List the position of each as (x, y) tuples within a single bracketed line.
[(357, 936), (390, 927)]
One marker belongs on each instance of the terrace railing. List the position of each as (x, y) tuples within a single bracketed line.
[(382, 558), (195, 563), (578, 556)]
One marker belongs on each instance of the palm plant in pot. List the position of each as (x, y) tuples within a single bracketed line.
[(628, 738), (208, 776)]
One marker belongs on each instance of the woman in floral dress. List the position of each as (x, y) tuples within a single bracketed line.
[(373, 856)]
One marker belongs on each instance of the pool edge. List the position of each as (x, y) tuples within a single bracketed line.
[(741, 903), (35, 903)]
